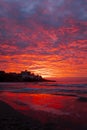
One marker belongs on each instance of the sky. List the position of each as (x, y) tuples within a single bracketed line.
[(47, 37)]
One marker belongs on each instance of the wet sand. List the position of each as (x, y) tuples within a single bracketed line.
[(10, 119)]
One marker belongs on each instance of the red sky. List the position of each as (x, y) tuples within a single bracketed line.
[(48, 37)]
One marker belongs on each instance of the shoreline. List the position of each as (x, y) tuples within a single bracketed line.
[(15, 120), (32, 81)]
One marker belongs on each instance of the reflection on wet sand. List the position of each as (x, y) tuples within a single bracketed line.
[(46, 106)]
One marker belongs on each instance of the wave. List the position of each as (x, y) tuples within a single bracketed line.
[(48, 88), (49, 91), (67, 85)]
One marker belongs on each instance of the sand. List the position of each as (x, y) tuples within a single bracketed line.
[(11, 119)]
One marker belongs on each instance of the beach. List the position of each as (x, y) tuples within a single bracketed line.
[(11, 119), (38, 107)]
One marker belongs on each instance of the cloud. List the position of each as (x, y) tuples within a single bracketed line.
[(44, 36)]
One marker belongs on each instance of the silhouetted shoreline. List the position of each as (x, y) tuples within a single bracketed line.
[(24, 76)]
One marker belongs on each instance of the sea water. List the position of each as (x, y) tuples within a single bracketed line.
[(58, 98), (57, 88)]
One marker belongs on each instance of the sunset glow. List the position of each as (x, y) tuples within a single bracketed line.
[(47, 37)]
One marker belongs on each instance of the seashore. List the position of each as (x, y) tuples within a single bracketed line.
[(11, 119)]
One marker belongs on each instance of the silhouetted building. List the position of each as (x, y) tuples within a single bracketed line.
[(25, 74), (2, 72)]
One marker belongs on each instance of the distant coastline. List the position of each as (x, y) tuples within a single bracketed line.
[(23, 76)]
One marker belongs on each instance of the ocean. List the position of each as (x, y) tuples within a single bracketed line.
[(74, 88), (47, 101)]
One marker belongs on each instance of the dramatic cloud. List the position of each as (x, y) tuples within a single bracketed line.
[(48, 37)]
